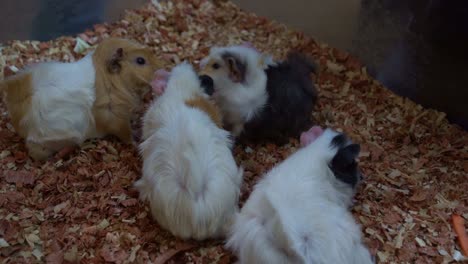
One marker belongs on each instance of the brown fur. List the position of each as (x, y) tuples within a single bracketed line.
[(17, 96), (18, 93), (208, 107), (233, 73), (120, 84), (208, 69)]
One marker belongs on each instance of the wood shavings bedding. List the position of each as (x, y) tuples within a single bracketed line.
[(82, 207)]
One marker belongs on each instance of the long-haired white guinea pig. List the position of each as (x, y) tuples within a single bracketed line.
[(190, 177), (299, 212)]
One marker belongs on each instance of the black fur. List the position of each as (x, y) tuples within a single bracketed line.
[(344, 164), (207, 84), (291, 99), (339, 141)]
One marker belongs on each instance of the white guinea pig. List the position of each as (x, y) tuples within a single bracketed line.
[(299, 212), (190, 177)]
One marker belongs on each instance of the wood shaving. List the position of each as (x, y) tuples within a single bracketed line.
[(81, 206)]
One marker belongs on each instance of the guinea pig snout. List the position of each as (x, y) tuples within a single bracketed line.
[(207, 84)]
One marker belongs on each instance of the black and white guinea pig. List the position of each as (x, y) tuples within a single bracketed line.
[(299, 211), (262, 100)]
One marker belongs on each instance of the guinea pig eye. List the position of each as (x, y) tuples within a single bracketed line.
[(140, 61), (215, 66)]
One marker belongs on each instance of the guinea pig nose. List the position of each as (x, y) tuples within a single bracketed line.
[(207, 84)]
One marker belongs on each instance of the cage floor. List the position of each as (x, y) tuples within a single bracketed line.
[(82, 207)]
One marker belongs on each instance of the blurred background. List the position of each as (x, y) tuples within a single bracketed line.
[(417, 48)]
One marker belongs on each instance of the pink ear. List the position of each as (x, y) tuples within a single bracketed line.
[(162, 74), (311, 135), (159, 82), (158, 86)]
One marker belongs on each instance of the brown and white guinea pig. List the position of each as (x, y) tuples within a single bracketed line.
[(54, 105), (190, 177), (261, 100)]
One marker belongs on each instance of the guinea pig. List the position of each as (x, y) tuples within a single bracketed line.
[(262, 100), (159, 82), (190, 177), (54, 105), (299, 212)]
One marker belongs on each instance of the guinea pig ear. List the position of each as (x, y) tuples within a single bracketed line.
[(236, 68), (113, 65)]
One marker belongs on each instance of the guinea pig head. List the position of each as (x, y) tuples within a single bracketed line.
[(337, 152), (344, 164), (127, 62), (234, 66)]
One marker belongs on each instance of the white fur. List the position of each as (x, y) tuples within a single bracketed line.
[(63, 95), (240, 101), (190, 177), (299, 214)]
